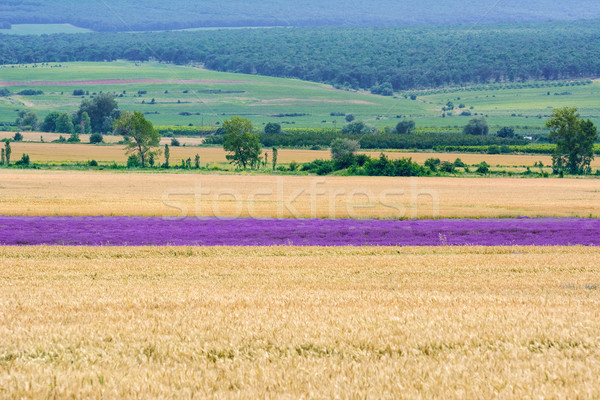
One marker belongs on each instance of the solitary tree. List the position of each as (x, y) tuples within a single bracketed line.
[(477, 126), (7, 150), (405, 127), (142, 135), (240, 142), (274, 158), (574, 139), (506, 132), (272, 128), (3, 160), (341, 148), (167, 155)]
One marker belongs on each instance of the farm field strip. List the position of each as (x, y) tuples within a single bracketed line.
[(142, 231), (68, 153), (509, 322), (30, 192)]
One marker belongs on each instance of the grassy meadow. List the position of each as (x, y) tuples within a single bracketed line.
[(30, 192), (516, 322), (211, 97)]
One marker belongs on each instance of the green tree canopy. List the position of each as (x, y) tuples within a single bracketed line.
[(243, 145), (27, 119), (102, 111), (272, 128), (477, 126), (405, 127), (143, 138), (341, 148), (64, 124), (49, 124), (358, 128), (574, 138)]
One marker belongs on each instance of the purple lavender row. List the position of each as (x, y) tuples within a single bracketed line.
[(141, 231)]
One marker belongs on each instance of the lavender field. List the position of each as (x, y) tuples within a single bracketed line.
[(144, 231)]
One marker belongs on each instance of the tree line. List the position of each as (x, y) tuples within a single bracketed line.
[(101, 15), (384, 59)]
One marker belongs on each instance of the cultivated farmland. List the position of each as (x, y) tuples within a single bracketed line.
[(66, 153), (207, 97), (164, 194), (508, 322)]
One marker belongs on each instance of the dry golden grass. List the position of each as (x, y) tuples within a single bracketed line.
[(68, 153), (29, 192), (295, 322)]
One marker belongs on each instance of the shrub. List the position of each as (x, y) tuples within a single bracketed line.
[(175, 142), (341, 148), (458, 163), (446, 166), (24, 161), (483, 168), (133, 161), (96, 138), (30, 92), (93, 163), (432, 164)]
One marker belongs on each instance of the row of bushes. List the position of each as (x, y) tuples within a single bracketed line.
[(172, 130), (364, 165), (547, 149), (383, 141)]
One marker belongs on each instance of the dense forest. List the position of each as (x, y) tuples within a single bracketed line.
[(355, 57), (126, 15)]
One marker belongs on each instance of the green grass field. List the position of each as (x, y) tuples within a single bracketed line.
[(215, 96), (42, 29)]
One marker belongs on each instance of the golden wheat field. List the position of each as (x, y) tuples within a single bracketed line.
[(502, 322), (59, 153), (29, 192)]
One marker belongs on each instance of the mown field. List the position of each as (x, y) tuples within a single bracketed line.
[(211, 97), (149, 194), (67, 153), (516, 322)]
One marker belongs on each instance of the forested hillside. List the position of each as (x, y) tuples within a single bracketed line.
[(125, 15), (376, 58)]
